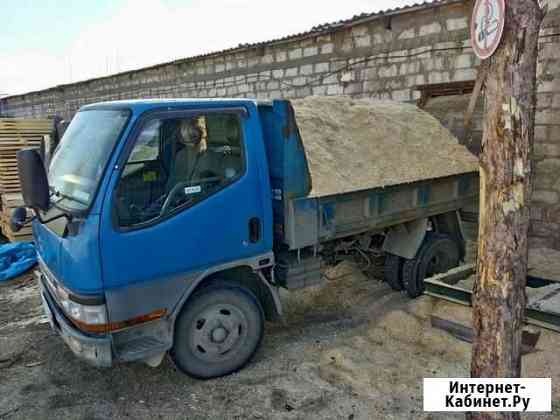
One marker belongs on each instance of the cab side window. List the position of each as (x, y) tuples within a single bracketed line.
[(176, 163)]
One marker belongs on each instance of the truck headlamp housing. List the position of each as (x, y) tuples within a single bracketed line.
[(87, 317), (86, 314), (90, 314)]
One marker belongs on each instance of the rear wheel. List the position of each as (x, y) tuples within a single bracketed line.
[(438, 254), (218, 331), (393, 271)]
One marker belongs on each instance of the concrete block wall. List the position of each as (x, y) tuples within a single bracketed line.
[(545, 210), (380, 58), (384, 57)]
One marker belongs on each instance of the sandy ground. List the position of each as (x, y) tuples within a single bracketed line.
[(351, 349)]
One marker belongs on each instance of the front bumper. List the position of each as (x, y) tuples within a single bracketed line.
[(95, 350)]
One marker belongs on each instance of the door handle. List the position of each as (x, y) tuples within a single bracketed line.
[(254, 230)]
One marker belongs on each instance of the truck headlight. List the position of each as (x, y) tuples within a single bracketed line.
[(93, 318), (90, 318), (88, 314), (87, 317)]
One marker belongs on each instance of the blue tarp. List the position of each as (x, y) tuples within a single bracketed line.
[(15, 259)]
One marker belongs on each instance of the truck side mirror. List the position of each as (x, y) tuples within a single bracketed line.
[(18, 219), (33, 179)]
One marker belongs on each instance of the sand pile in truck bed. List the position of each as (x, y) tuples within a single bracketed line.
[(360, 144)]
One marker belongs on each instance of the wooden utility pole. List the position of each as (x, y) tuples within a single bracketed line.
[(505, 190)]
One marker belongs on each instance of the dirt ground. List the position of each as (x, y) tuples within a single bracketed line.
[(351, 349)]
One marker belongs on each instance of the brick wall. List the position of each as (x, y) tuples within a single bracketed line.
[(378, 57)]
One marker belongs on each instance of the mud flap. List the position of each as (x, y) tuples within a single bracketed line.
[(405, 239)]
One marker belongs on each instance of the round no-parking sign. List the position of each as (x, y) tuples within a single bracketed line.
[(487, 26)]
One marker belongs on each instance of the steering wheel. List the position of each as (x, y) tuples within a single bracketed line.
[(169, 200), (179, 187)]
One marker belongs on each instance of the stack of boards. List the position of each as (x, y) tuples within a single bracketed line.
[(16, 134)]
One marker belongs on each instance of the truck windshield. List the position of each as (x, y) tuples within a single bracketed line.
[(79, 160)]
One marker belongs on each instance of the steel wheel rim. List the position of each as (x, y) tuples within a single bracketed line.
[(218, 332)]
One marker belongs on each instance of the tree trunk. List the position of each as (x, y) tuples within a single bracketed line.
[(505, 189)]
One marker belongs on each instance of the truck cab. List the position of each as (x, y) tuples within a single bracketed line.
[(156, 203)]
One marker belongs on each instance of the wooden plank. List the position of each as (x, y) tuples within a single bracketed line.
[(465, 333), (16, 134)]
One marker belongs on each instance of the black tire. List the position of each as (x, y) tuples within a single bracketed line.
[(438, 254), (218, 331), (413, 287), (393, 271), (377, 268)]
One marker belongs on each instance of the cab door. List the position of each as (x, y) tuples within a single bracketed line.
[(186, 196)]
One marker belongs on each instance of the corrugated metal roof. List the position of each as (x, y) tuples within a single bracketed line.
[(354, 20), (314, 31), (388, 12)]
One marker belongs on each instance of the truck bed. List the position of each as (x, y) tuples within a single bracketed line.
[(312, 220), (340, 167)]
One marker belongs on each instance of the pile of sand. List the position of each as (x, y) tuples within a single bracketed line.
[(360, 144), (391, 357), (397, 351)]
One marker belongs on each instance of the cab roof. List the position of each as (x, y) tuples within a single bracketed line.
[(141, 105)]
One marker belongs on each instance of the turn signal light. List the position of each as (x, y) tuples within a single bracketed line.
[(121, 325)]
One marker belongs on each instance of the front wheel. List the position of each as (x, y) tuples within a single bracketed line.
[(218, 331)]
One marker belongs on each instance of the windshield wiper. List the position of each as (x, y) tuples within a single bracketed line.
[(63, 196), (63, 214)]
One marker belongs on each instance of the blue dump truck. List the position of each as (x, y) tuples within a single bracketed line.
[(168, 226)]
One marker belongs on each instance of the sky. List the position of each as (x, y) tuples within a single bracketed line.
[(44, 43)]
